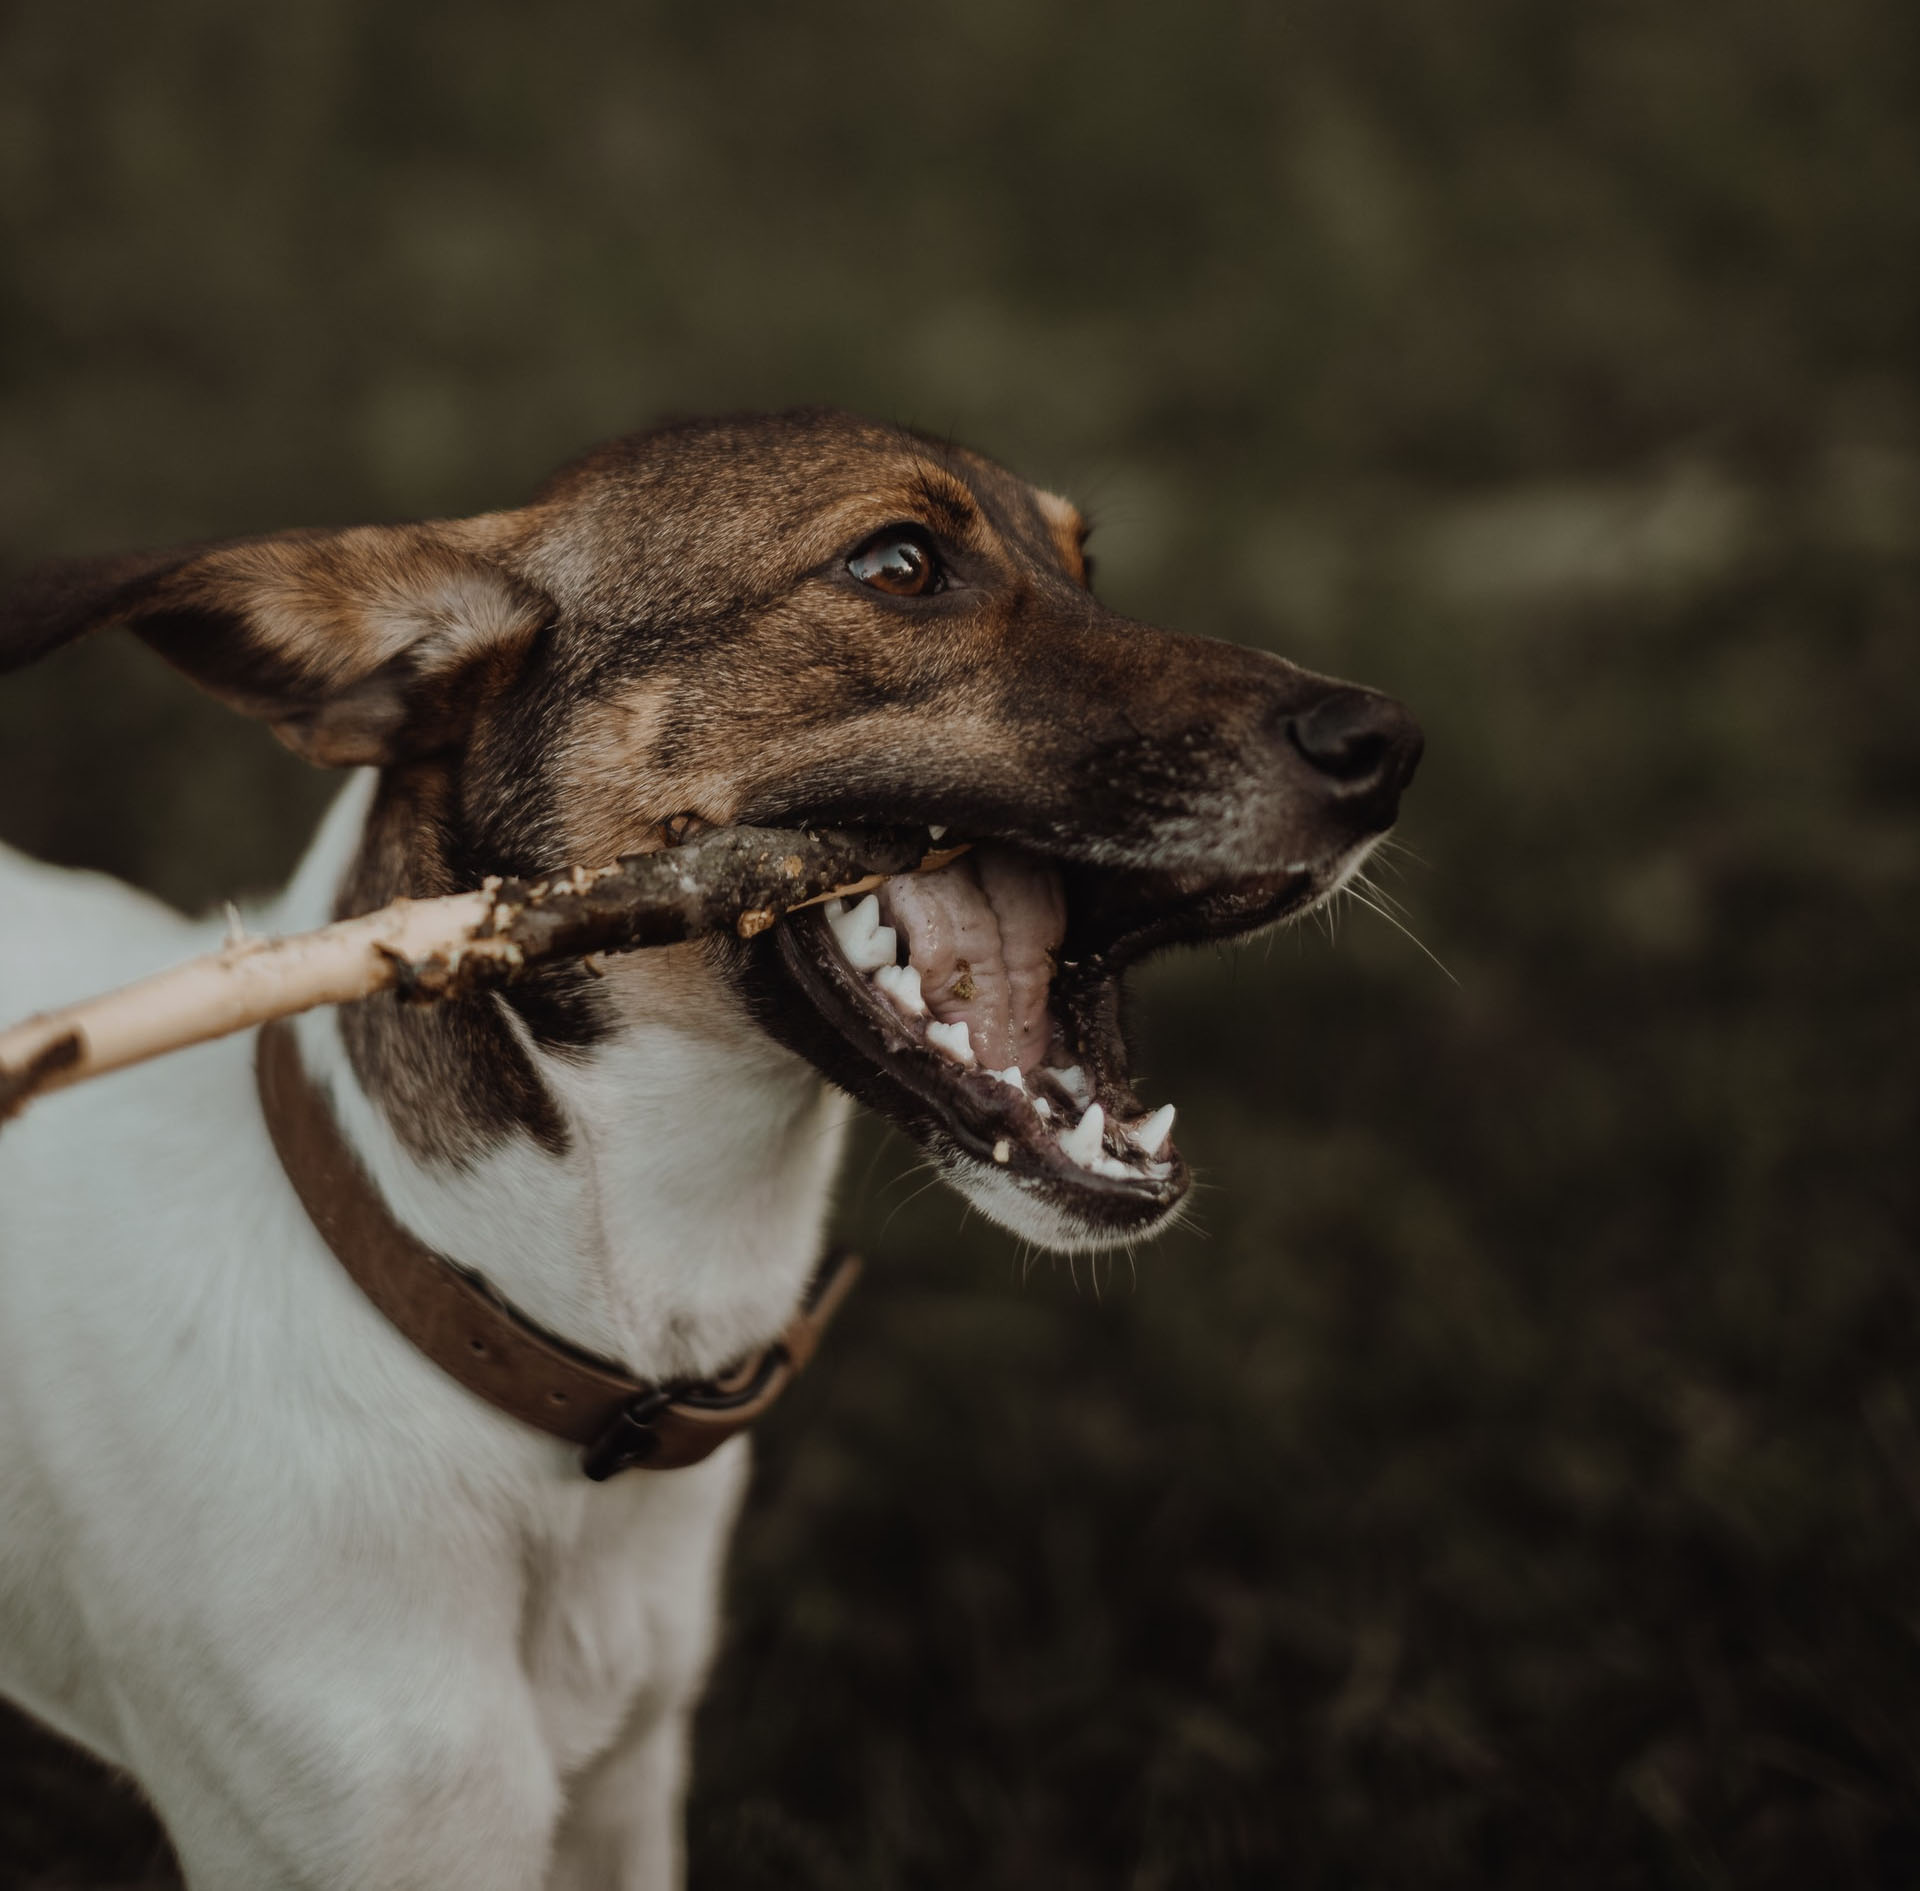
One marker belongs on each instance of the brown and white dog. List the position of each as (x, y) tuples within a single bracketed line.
[(347, 1624)]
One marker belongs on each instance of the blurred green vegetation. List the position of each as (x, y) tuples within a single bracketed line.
[(1513, 1476)]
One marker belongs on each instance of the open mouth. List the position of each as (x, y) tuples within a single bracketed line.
[(979, 1004)]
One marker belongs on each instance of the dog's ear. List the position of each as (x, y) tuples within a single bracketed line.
[(364, 645)]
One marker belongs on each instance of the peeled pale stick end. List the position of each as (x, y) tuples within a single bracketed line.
[(929, 863)]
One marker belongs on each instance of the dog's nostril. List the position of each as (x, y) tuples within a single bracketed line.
[(1356, 738)]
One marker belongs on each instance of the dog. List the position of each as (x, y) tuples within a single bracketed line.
[(347, 1623)]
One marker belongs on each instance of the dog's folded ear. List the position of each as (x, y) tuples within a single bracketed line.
[(370, 644)]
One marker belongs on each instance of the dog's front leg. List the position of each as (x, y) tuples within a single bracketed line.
[(402, 1802), (622, 1827)]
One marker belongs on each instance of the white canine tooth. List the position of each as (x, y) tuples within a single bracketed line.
[(938, 832), (1150, 1134), (864, 942), (901, 983), (846, 922), (954, 1039), (1082, 1141), (1042, 1108), (1011, 1077), (1003, 1150), (1073, 1080)]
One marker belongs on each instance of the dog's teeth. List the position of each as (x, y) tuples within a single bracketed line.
[(1003, 1150), (1042, 1108), (865, 944), (1011, 1077), (901, 983), (847, 924), (1150, 1134), (939, 831), (1073, 1080), (954, 1039), (1082, 1143)]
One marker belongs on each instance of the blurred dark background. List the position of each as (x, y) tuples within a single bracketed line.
[(1513, 1476)]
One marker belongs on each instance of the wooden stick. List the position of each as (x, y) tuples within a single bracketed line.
[(739, 879)]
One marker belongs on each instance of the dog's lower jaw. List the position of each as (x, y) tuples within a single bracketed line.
[(1022, 1205)]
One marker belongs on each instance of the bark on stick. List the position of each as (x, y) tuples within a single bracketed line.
[(738, 879)]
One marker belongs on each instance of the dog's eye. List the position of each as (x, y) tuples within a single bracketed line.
[(898, 562)]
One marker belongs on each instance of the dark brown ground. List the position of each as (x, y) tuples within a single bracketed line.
[(1514, 1479)]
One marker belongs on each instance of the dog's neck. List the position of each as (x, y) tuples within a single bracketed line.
[(657, 1196)]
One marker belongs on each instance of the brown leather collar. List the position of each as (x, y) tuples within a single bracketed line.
[(467, 1330)]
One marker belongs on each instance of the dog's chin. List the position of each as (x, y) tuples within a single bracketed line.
[(1012, 1070), (1055, 1218)]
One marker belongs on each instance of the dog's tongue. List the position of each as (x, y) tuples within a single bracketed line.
[(982, 933)]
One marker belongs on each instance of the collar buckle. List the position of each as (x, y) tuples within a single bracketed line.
[(629, 1439)]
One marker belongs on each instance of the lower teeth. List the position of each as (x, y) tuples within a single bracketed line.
[(1083, 1142), (1150, 1134), (901, 983), (955, 1040)]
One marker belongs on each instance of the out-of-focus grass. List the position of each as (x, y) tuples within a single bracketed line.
[(1513, 1475)]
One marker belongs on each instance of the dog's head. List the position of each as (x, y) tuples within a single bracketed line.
[(800, 620)]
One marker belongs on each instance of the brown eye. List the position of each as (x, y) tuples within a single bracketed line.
[(898, 562)]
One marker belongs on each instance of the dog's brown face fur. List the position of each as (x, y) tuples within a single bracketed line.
[(801, 619)]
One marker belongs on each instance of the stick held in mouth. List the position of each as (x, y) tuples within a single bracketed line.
[(739, 879)]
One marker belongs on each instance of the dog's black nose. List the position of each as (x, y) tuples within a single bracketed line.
[(1365, 745)]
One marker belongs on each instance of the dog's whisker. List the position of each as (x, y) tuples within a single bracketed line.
[(919, 1165), (1360, 899), (1391, 844), (1380, 893), (934, 1181)]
